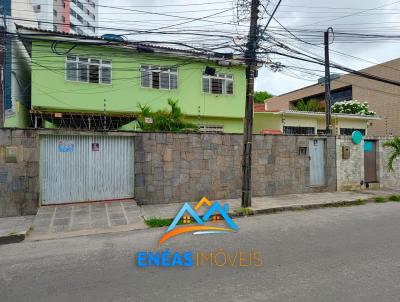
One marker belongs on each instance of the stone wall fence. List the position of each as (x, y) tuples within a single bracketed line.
[(184, 167), (19, 172), (179, 167)]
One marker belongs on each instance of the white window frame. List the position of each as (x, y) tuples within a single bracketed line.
[(218, 76), (160, 69), (91, 61)]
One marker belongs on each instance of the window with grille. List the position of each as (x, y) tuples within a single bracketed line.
[(159, 77), (218, 84), (298, 130), (88, 70), (211, 128), (349, 131)]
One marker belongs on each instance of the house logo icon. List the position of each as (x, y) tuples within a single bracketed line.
[(215, 212)]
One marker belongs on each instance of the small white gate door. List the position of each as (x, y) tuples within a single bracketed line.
[(317, 162), (85, 168)]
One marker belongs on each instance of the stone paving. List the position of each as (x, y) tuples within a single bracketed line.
[(84, 219)]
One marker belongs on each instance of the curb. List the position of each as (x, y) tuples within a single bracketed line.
[(294, 208), (13, 238)]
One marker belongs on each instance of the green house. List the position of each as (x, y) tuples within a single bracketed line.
[(92, 82)]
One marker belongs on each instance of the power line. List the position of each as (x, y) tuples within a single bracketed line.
[(339, 67), (148, 6)]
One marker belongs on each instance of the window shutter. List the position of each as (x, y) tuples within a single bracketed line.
[(164, 80), (206, 84), (173, 81), (106, 75), (145, 76), (71, 71), (229, 86), (82, 72)]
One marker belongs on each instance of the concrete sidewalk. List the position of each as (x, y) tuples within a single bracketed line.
[(273, 204), (15, 229), (62, 221)]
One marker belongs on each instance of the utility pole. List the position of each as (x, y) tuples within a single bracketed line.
[(3, 45), (327, 83), (251, 63)]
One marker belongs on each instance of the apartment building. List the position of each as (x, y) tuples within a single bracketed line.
[(70, 16)]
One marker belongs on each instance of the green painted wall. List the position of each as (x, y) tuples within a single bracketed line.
[(50, 90), (19, 119), (266, 121), (231, 125)]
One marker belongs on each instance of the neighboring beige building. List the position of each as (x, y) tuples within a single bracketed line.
[(383, 98), (300, 122)]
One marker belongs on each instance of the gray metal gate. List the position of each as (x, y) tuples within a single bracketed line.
[(85, 168), (317, 162)]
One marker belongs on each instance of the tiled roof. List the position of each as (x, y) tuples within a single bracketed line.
[(48, 33), (259, 107)]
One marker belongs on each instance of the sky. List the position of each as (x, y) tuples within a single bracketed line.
[(299, 16)]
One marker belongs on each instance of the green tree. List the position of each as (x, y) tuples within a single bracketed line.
[(261, 96), (310, 105), (394, 144), (171, 119)]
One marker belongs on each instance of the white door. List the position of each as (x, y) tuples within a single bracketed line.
[(317, 162), (85, 168)]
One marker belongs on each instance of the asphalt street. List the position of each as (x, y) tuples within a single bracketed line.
[(337, 254)]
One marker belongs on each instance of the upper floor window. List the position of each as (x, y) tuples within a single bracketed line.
[(88, 70), (159, 77), (218, 84)]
